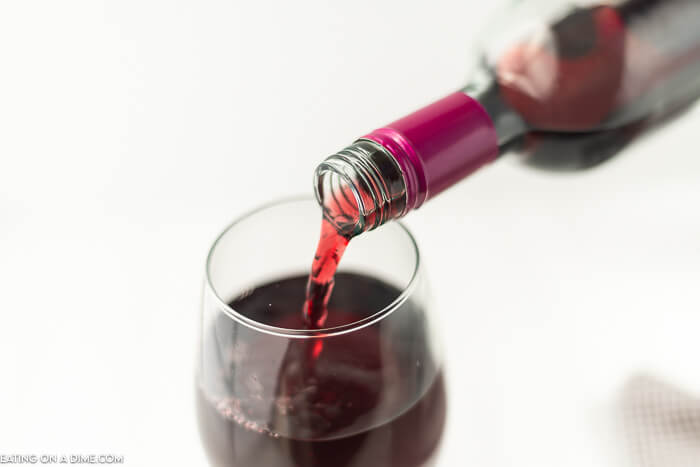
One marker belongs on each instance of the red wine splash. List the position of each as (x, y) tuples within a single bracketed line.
[(340, 216), (331, 247)]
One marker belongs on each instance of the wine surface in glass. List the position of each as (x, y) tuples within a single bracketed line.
[(359, 399)]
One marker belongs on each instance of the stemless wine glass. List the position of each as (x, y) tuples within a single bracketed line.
[(367, 390)]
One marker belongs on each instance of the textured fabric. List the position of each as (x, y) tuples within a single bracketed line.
[(662, 424)]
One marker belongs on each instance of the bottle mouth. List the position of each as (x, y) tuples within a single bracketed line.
[(360, 188), (340, 198)]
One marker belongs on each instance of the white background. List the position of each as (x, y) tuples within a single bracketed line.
[(131, 132)]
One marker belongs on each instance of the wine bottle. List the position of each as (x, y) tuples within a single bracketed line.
[(566, 84)]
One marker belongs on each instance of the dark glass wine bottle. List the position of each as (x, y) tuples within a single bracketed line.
[(566, 84)]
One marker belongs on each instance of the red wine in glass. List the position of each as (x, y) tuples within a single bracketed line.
[(373, 397)]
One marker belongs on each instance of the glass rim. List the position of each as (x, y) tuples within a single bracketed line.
[(375, 317)]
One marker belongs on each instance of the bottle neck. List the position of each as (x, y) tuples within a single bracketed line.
[(484, 89), (395, 169)]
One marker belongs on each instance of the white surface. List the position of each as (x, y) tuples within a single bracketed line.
[(132, 132)]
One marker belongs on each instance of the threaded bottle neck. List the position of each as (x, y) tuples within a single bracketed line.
[(394, 169), (360, 188)]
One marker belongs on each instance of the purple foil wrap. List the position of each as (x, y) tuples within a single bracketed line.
[(439, 145)]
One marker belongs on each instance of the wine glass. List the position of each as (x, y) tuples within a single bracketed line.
[(366, 390)]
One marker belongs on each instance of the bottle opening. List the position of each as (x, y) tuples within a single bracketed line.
[(339, 196), (360, 188)]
